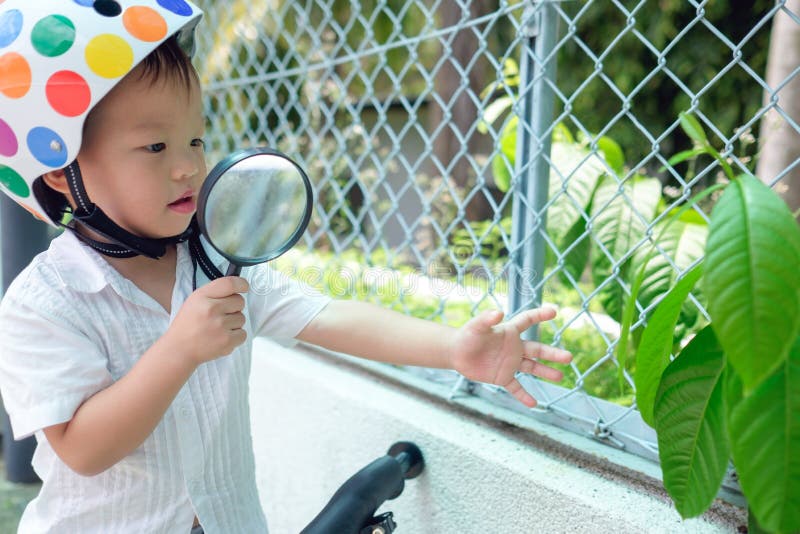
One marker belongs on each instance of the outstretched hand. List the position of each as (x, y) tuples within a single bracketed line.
[(487, 350)]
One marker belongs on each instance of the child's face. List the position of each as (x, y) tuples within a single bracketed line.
[(142, 151)]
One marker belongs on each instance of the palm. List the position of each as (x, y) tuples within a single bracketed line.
[(488, 355), (486, 350)]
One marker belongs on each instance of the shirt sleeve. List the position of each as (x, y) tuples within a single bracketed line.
[(280, 307), (48, 368)]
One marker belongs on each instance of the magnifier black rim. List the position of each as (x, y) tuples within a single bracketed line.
[(220, 169)]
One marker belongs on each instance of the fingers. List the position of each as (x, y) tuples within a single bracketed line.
[(541, 370), (224, 287), (231, 304), (524, 320), (519, 393), (540, 351), (234, 321), (237, 337), (485, 321)]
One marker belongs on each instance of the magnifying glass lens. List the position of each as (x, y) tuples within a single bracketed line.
[(254, 206)]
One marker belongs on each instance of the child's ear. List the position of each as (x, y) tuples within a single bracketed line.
[(57, 180)]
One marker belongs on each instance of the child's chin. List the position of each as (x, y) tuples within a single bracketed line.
[(178, 229), (172, 230)]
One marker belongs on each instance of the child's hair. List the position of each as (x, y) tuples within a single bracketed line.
[(169, 59)]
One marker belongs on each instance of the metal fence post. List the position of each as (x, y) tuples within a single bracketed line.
[(22, 238), (535, 112)]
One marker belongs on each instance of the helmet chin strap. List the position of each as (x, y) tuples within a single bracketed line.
[(123, 243)]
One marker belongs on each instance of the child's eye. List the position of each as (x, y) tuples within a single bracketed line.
[(198, 142), (156, 147)]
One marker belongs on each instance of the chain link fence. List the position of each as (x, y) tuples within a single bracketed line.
[(475, 155)]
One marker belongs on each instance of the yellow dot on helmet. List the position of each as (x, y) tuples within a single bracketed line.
[(109, 56)]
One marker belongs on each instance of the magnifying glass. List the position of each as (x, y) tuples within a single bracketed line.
[(254, 206)]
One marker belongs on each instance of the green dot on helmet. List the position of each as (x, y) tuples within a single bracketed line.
[(53, 35), (12, 181)]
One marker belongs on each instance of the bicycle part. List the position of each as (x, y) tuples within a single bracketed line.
[(383, 524), (353, 505), (410, 458)]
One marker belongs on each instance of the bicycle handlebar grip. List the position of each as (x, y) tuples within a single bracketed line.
[(355, 502), (409, 457)]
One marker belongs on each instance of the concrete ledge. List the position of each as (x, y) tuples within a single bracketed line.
[(317, 420)]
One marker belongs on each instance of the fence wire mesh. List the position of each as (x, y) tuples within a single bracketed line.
[(474, 155)]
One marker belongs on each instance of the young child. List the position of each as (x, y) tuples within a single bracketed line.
[(134, 382)]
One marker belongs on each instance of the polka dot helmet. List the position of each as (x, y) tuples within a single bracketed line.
[(58, 58)]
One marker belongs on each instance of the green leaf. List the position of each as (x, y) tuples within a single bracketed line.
[(510, 68), (751, 280), (682, 213), (578, 242), (612, 153), (680, 157), (501, 169), (561, 134), (693, 128), (691, 426), (505, 158), (493, 111), (765, 432), (691, 216), (574, 175), (620, 213), (680, 245), (695, 131), (722, 161), (510, 79), (656, 343)]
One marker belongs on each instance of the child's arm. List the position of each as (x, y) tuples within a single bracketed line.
[(484, 349), (115, 421)]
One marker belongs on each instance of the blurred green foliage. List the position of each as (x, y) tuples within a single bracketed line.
[(622, 76), (351, 275), (648, 55)]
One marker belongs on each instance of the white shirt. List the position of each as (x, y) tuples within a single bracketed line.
[(71, 325)]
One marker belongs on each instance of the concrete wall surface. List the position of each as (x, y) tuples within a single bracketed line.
[(317, 420)]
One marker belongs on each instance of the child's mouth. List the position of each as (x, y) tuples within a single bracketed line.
[(183, 205)]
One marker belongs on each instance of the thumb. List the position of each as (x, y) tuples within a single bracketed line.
[(485, 321)]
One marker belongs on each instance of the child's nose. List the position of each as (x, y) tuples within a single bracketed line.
[(185, 167)]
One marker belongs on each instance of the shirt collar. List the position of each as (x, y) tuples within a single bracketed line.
[(83, 269), (77, 265)]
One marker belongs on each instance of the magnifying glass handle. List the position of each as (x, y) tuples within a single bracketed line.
[(233, 270)]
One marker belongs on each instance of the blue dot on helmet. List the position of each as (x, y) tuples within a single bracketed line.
[(10, 27), (179, 7), (47, 147)]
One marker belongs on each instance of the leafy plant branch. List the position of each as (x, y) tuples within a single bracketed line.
[(734, 389)]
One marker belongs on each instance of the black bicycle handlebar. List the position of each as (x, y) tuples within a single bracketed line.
[(355, 502)]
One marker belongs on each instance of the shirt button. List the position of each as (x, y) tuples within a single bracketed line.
[(185, 412)]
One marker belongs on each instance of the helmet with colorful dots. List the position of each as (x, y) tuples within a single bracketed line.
[(58, 58)]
